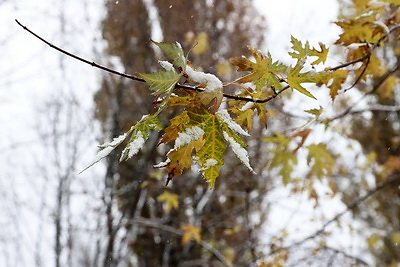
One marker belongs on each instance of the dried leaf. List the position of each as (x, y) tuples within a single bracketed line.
[(171, 201), (190, 232)]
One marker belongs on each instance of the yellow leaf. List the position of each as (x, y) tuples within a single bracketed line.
[(170, 200), (372, 240), (224, 69), (386, 89), (359, 31), (181, 158), (263, 72), (296, 78), (396, 238), (171, 132), (245, 118), (334, 82), (202, 43), (190, 231)]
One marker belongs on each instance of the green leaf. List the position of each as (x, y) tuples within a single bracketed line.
[(296, 78), (283, 158), (302, 52), (319, 159), (174, 52), (161, 81), (315, 112)]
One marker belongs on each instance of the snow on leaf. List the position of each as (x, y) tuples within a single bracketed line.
[(213, 86), (240, 152), (209, 163), (107, 148), (181, 158), (171, 201), (135, 145), (166, 65), (161, 81), (174, 52), (190, 232), (140, 134), (213, 148), (224, 115), (191, 134)]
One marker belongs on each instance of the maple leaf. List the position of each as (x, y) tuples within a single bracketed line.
[(190, 232), (283, 158), (295, 78), (181, 158), (140, 134), (245, 118), (319, 159), (334, 81), (212, 87), (315, 112), (245, 111), (170, 200), (176, 126), (303, 134), (263, 72), (210, 156), (302, 52), (206, 134), (362, 30), (387, 87)]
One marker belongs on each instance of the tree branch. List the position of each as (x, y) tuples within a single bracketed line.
[(181, 86)]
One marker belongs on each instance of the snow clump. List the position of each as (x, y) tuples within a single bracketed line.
[(211, 81)]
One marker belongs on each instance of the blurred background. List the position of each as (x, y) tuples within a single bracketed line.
[(54, 111)]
